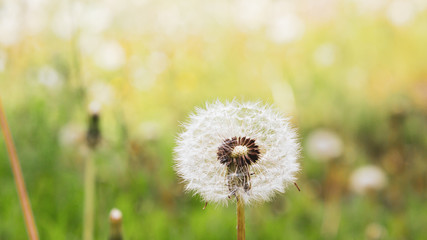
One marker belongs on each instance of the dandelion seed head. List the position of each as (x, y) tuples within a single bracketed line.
[(401, 12), (94, 107), (324, 145), (248, 134), (366, 179), (115, 215)]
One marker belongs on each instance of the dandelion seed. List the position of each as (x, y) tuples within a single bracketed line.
[(246, 150)]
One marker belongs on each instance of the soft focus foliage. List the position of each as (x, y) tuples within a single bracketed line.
[(354, 68)]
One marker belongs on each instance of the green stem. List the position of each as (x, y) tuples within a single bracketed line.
[(115, 225), (240, 219), (89, 196)]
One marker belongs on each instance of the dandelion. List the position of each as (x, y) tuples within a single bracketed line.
[(286, 28), (93, 138), (115, 224), (100, 94), (243, 150), (109, 55), (400, 12), (324, 145), (10, 23), (367, 178), (50, 78)]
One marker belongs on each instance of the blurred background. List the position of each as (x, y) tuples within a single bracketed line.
[(352, 75)]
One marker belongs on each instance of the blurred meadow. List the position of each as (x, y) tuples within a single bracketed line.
[(351, 74)]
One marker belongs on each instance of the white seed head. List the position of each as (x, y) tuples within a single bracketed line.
[(263, 138), (367, 178), (324, 145), (115, 215), (94, 107)]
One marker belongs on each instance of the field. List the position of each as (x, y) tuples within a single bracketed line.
[(351, 75)]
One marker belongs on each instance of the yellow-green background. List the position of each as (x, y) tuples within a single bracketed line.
[(355, 67)]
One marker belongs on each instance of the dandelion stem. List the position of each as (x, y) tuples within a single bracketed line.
[(240, 219), (19, 179), (89, 196), (115, 225)]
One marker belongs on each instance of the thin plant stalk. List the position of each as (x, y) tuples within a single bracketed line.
[(89, 196), (19, 179), (93, 138), (115, 225), (240, 219)]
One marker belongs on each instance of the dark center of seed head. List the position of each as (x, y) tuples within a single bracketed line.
[(242, 151)]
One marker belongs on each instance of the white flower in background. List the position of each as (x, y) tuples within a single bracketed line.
[(369, 6), (320, 11), (49, 77), (109, 55), (35, 16), (420, 5), (115, 224), (88, 43), (157, 62), (367, 178), (324, 55), (65, 22), (170, 20), (250, 15), (94, 107), (115, 215), (96, 18), (324, 145), (285, 28), (101, 93), (10, 22), (71, 135), (401, 12), (246, 150)]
